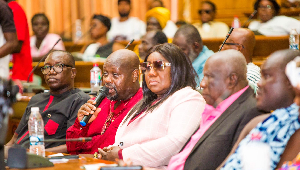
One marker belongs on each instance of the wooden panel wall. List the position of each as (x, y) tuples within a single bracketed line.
[(63, 13)]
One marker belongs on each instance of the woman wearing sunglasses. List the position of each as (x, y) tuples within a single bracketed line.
[(161, 123)]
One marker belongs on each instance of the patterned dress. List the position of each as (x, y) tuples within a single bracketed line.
[(275, 131)]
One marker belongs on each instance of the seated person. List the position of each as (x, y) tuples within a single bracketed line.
[(100, 25), (59, 106), (120, 75), (158, 18), (290, 3), (230, 106), (149, 40), (126, 27), (160, 124), (276, 128), (208, 28), (269, 23), (42, 41), (189, 40), (243, 40)]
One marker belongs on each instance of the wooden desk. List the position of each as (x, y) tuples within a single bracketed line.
[(75, 164)]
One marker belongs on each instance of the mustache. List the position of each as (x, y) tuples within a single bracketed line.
[(110, 86)]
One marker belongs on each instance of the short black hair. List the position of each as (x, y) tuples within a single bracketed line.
[(128, 1), (40, 15), (160, 1), (70, 56), (275, 4), (104, 19), (213, 6), (159, 38), (190, 33)]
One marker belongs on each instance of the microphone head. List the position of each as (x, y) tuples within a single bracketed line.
[(104, 90)]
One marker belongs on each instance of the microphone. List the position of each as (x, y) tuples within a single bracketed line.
[(129, 43), (42, 60), (102, 94), (20, 159), (227, 36), (250, 17)]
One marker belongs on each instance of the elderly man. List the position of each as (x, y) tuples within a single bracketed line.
[(230, 106), (243, 40), (208, 28), (149, 40), (59, 106), (125, 27), (120, 75), (269, 129), (189, 40)]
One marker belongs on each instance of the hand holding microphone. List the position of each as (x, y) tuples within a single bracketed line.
[(89, 111)]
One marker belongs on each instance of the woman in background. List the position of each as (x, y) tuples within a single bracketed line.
[(100, 47), (269, 23), (42, 41), (160, 124)]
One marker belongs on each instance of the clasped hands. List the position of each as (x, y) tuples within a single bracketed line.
[(109, 153)]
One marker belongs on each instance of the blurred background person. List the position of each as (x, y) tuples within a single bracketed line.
[(149, 40), (269, 23), (21, 57), (208, 28), (42, 41), (170, 27), (100, 25), (189, 40), (159, 125), (8, 38), (290, 3), (125, 27)]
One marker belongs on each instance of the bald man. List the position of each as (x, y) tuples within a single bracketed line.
[(230, 106), (59, 106), (243, 40), (120, 75)]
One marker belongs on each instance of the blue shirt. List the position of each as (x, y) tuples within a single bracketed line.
[(199, 62), (275, 131)]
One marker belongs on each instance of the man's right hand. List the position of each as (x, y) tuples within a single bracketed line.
[(88, 108)]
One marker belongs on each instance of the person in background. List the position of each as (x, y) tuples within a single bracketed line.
[(58, 107), (208, 27), (160, 124), (42, 41), (274, 129), (100, 25), (125, 27), (269, 23), (243, 40), (180, 23), (121, 76), (170, 27), (149, 40), (230, 106), (22, 62), (189, 40), (290, 3), (8, 38)]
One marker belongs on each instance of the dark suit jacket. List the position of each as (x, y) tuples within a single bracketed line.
[(216, 143)]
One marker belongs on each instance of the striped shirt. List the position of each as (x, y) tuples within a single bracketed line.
[(253, 75)]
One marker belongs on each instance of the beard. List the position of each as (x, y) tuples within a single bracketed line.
[(112, 97), (192, 55), (124, 14)]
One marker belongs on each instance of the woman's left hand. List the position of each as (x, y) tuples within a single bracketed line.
[(109, 153)]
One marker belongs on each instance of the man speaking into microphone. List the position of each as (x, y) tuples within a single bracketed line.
[(59, 106), (121, 77)]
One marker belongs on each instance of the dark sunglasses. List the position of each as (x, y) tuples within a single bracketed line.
[(157, 65), (234, 44), (58, 68), (202, 11)]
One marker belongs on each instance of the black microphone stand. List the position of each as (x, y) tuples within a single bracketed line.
[(227, 36)]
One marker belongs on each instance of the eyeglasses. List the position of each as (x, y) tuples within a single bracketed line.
[(158, 65), (234, 44), (207, 11), (58, 68), (268, 7)]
